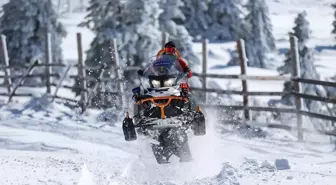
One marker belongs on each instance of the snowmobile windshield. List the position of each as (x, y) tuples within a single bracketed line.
[(164, 66), (163, 71)]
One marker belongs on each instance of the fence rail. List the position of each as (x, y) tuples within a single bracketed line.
[(86, 94), (244, 77)]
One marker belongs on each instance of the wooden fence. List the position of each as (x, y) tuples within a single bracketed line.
[(86, 94), (297, 93), (81, 77)]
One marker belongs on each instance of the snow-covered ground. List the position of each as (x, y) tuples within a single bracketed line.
[(48, 143), (55, 146)]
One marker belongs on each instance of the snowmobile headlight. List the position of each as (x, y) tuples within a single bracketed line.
[(156, 83), (169, 82)]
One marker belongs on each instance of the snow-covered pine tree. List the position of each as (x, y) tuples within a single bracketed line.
[(105, 20), (135, 26), (25, 24), (258, 34), (307, 67), (143, 37), (227, 21), (197, 19), (170, 22)]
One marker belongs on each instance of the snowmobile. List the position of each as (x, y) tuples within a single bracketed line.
[(164, 110)]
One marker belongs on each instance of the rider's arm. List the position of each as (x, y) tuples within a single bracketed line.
[(185, 67)]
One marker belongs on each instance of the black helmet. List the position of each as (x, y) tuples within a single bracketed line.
[(170, 44)]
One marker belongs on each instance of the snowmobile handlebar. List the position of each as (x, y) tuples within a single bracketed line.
[(169, 98), (162, 105)]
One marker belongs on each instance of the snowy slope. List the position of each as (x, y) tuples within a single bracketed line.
[(56, 147)]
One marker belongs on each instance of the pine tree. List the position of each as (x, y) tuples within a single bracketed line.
[(105, 19), (135, 26), (258, 34), (197, 19), (308, 71), (226, 20), (25, 24), (170, 22), (143, 37)]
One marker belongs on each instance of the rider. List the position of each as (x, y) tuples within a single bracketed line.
[(170, 49)]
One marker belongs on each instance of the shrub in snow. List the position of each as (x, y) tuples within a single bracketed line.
[(25, 24), (226, 20), (259, 40), (282, 164)]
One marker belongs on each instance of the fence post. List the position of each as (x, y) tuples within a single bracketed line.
[(81, 70), (297, 86), (165, 37), (8, 80), (48, 61), (119, 73), (204, 67), (243, 66)]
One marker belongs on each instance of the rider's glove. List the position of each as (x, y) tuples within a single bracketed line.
[(184, 89), (189, 74), (184, 93), (136, 94), (188, 71), (135, 98)]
